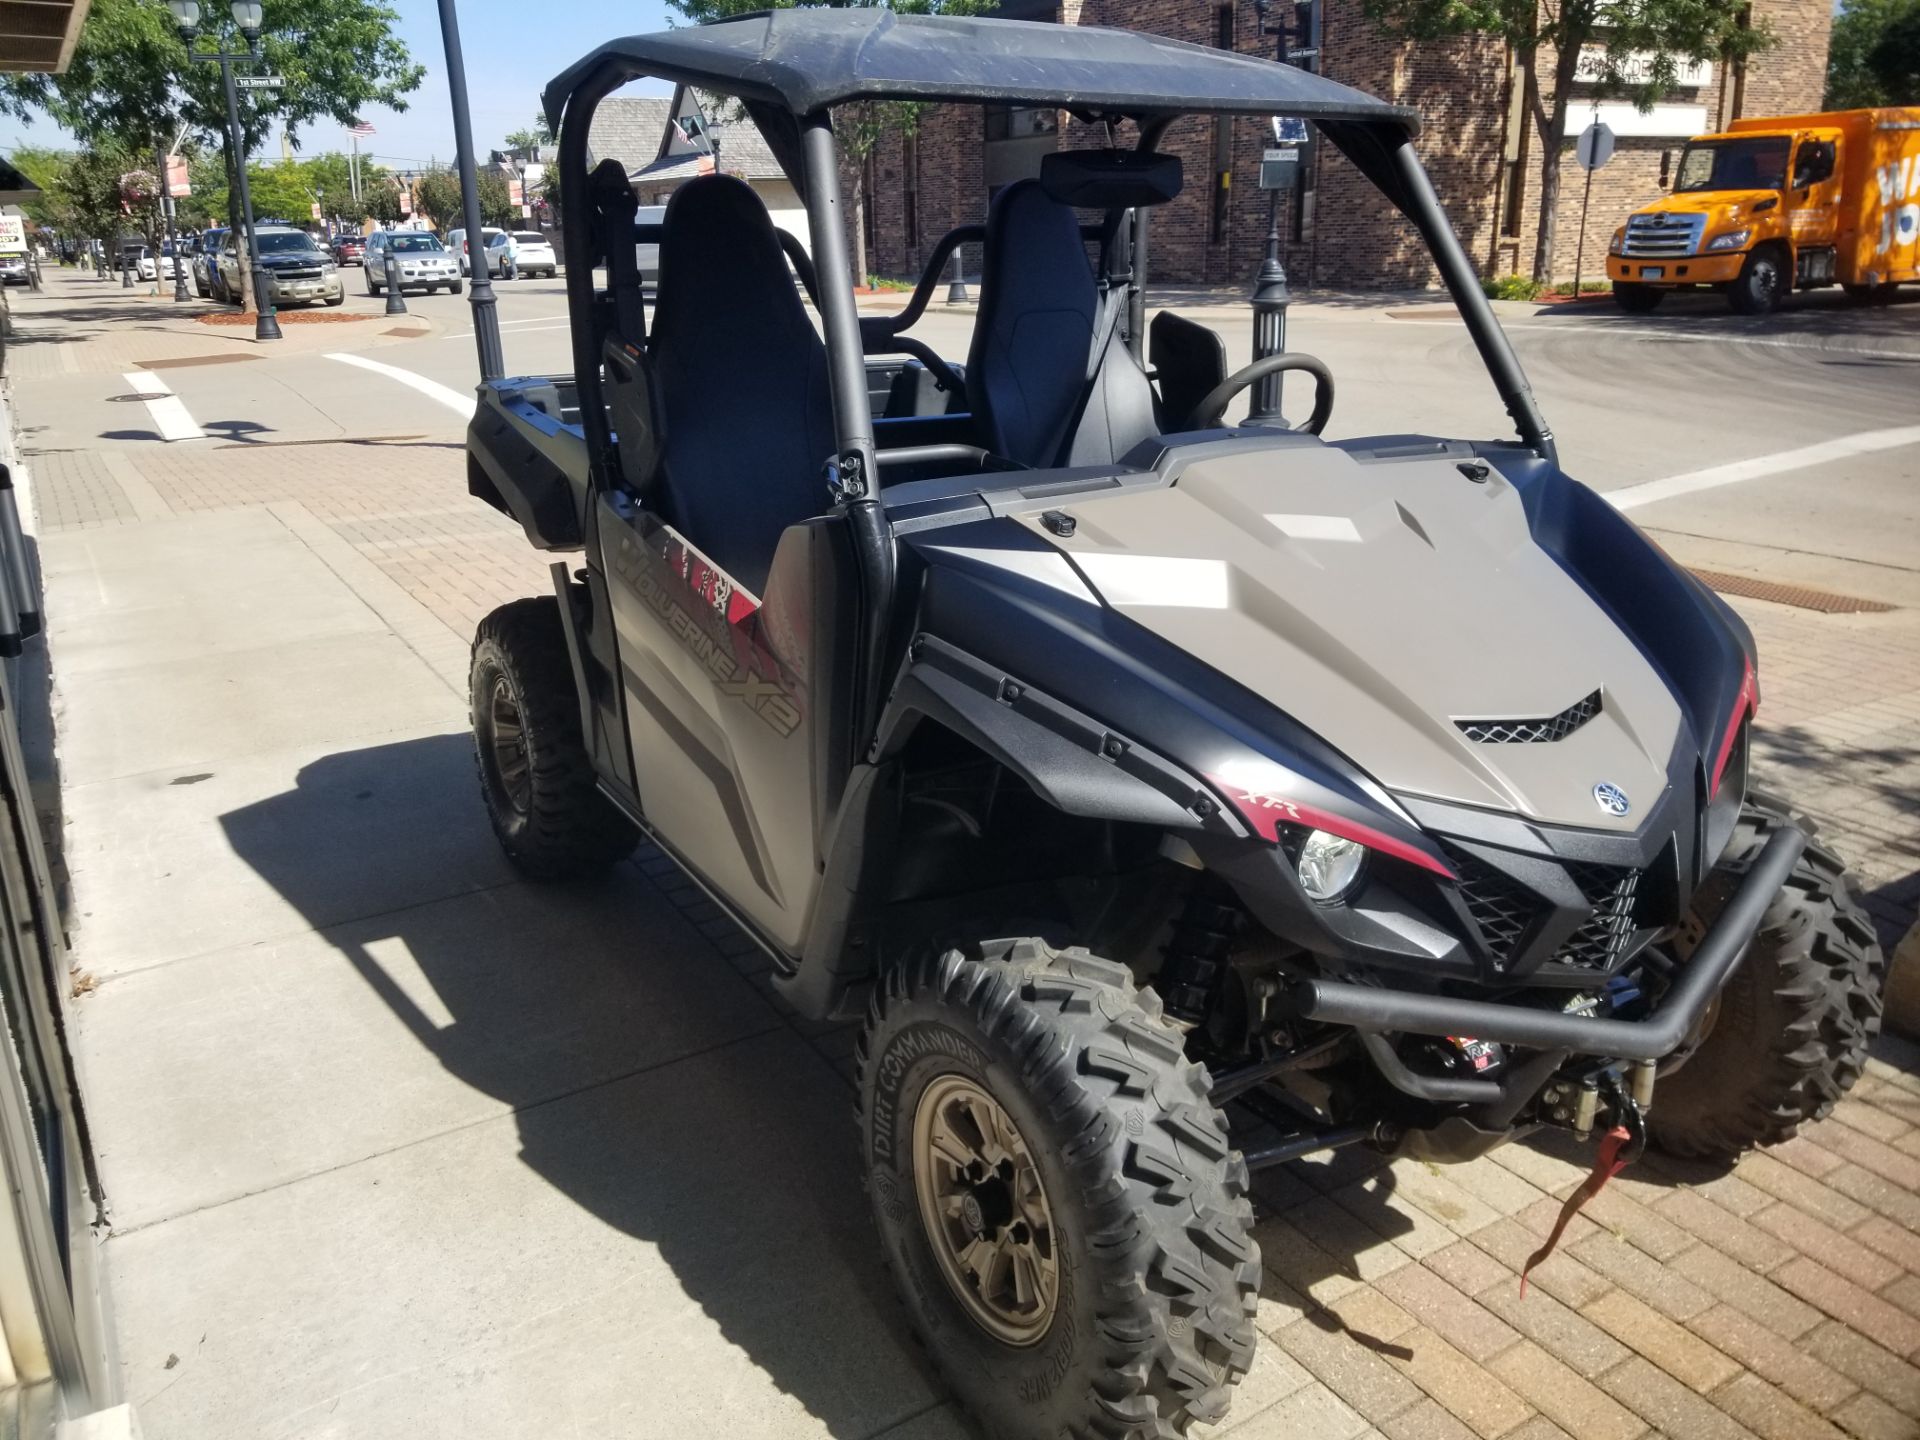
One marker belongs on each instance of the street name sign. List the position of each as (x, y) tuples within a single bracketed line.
[(259, 82)]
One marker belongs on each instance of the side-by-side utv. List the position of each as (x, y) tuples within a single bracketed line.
[(1173, 797)]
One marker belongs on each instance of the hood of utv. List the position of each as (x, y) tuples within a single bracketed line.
[(1385, 605)]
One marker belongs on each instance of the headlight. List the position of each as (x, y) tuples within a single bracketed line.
[(1330, 865), (1732, 240), (1618, 245)]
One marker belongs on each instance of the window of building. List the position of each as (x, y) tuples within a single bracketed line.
[(1018, 123), (1222, 178), (1513, 195), (1223, 27)]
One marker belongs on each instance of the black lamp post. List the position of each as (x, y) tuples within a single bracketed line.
[(246, 15), (173, 241), (1270, 294), (486, 321)]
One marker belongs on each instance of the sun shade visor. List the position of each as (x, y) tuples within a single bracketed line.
[(810, 59), (1110, 179)]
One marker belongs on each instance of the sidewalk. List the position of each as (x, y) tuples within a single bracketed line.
[(396, 1144)]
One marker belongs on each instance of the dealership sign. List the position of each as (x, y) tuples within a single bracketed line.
[(1636, 68)]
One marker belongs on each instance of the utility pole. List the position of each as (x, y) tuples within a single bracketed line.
[(486, 320)]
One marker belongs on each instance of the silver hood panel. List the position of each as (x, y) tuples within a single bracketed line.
[(1379, 604)]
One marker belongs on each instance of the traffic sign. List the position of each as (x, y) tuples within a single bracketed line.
[(259, 82), (1595, 145)]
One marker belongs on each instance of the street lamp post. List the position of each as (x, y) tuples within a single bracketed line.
[(486, 320), (166, 221), (246, 15), (1270, 294)]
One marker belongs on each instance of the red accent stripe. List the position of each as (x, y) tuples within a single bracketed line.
[(1267, 813), (1745, 704)]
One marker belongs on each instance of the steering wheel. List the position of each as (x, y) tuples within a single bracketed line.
[(1207, 413)]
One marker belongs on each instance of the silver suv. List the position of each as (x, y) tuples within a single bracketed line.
[(298, 270), (424, 263)]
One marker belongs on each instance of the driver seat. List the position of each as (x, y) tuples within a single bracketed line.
[(745, 415), (1039, 392)]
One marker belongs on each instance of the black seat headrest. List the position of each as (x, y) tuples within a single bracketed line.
[(1110, 179)]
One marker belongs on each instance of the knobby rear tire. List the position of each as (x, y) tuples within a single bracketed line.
[(563, 826)]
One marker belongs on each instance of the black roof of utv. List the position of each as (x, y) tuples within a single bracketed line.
[(806, 59)]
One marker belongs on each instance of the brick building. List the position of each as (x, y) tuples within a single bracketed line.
[(1477, 141)]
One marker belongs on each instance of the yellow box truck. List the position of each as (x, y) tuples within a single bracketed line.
[(1774, 205)]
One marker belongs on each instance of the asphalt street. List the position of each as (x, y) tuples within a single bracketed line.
[(1631, 400)]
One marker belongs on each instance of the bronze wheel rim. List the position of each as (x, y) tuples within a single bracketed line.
[(507, 746), (985, 1210)]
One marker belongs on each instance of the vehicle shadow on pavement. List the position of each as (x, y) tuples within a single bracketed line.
[(651, 1084), (1882, 775)]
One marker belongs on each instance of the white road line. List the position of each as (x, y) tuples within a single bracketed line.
[(1866, 442), (525, 327), (462, 405), (169, 414)]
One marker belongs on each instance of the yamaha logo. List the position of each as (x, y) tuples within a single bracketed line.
[(1612, 799)]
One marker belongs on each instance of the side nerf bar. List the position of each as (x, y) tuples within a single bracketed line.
[(1368, 1008)]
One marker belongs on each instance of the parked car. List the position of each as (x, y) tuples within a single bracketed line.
[(424, 262), (349, 250), (205, 252), (646, 254), (494, 240), (535, 254), (298, 270), (13, 270)]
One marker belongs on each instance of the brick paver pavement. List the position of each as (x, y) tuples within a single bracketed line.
[(1779, 1300)]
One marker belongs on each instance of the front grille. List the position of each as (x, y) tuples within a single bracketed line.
[(301, 273), (1505, 912), (1663, 236), (1532, 732), (1601, 936), (1500, 908)]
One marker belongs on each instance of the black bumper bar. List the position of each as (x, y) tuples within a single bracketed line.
[(1368, 1008)]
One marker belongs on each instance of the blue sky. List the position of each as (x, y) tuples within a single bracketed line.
[(513, 47)]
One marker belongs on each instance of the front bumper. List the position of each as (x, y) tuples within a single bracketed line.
[(295, 291), (1720, 268), (415, 279), (1372, 1010)]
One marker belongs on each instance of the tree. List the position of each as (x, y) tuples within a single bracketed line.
[(438, 196), (861, 126), (1634, 48), (88, 197), (1874, 58), (529, 140), (382, 201)]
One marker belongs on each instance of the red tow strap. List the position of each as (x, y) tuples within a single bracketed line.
[(1606, 1164)]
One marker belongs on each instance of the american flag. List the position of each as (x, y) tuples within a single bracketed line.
[(361, 129)]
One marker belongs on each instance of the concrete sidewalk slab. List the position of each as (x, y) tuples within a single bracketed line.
[(365, 828), (684, 1252), (269, 1062), (248, 702)]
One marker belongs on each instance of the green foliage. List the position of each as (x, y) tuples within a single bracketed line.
[(382, 201), (281, 192), (1512, 287), (438, 196), (496, 201), (86, 193), (45, 168), (132, 83), (530, 139), (1874, 58)]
